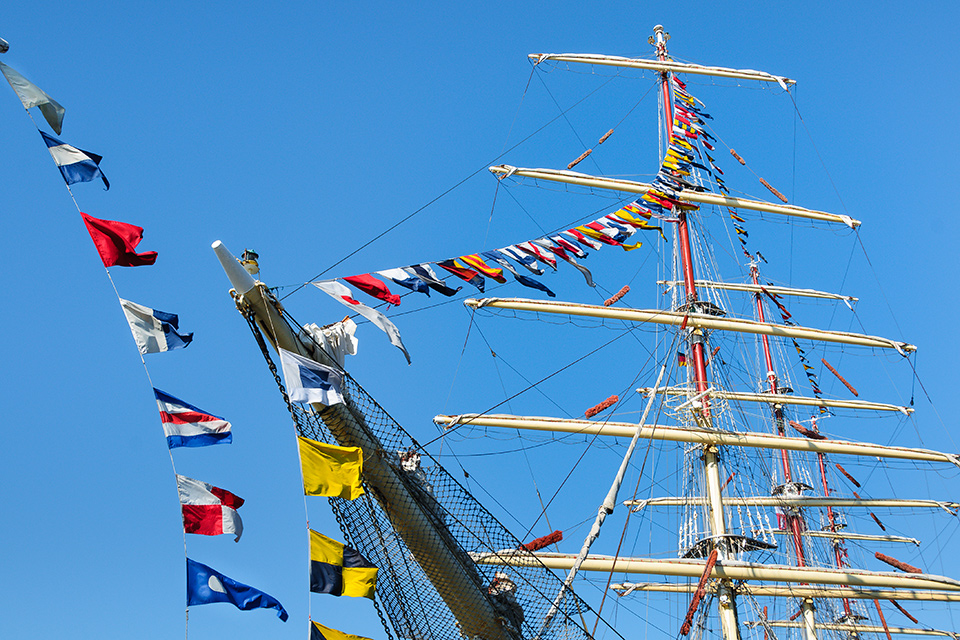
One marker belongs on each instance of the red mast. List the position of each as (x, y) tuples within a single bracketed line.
[(793, 520), (683, 231)]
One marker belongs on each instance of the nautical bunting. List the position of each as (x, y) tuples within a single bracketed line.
[(329, 470), (154, 331), (207, 586), (185, 425), (341, 294), (310, 381), (320, 632), (339, 570), (32, 96), (208, 510), (117, 242), (76, 165)]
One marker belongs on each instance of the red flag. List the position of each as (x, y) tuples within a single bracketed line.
[(117, 242), (370, 285)]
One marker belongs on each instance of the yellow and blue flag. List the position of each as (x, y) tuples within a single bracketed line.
[(320, 632), (339, 570)]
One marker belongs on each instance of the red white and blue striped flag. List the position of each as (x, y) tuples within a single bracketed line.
[(188, 426)]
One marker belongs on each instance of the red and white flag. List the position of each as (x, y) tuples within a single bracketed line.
[(342, 294), (208, 510)]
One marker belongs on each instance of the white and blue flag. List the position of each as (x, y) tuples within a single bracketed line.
[(309, 381), (76, 165), (154, 331)]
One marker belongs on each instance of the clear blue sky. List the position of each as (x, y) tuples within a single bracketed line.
[(305, 129)]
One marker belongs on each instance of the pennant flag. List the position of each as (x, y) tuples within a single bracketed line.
[(206, 586), (428, 275), (537, 252), (32, 96), (569, 247), (154, 331), (404, 279), (320, 632), (582, 239), (75, 164), (524, 259), (476, 262), (462, 272), (117, 242), (310, 381), (526, 281), (604, 233), (187, 426), (208, 510), (373, 287), (339, 570), (340, 293), (560, 253), (329, 470)]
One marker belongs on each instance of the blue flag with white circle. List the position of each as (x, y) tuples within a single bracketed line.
[(206, 586)]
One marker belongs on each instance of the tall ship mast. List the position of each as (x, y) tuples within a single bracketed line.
[(764, 499)]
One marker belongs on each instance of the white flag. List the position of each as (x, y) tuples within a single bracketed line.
[(309, 381), (33, 96), (342, 294)]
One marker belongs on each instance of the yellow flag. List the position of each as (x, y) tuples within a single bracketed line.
[(320, 632), (329, 470)]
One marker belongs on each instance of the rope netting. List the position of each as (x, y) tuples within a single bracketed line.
[(522, 597), (441, 555)]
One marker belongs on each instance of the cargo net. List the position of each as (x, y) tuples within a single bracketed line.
[(525, 603)]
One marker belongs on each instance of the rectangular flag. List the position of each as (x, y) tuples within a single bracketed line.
[(33, 96), (329, 470), (188, 426), (320, 632), (154, 331), (339, 570), (342, 294), (426, 273), (404, 279), (310, 381), (117, 242), (206, 586), (526, 281), (208, 510), (76, 165), (373, 287)]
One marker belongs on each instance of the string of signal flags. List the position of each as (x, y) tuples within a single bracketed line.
[(206, 509)]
